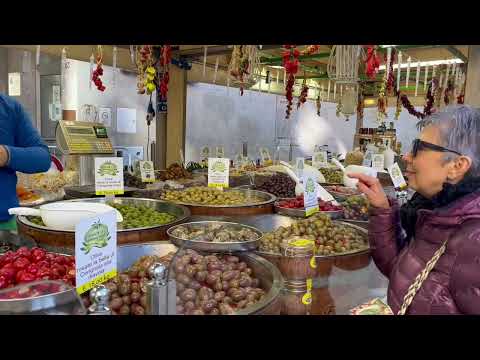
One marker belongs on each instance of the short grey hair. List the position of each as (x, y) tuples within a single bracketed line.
[(459, 127)]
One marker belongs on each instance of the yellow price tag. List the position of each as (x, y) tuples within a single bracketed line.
[(311, 211), (307, 298), (98, 280)]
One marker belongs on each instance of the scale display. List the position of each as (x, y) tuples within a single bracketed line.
[(83, 138)]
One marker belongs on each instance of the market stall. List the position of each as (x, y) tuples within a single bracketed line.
[(205, 228)]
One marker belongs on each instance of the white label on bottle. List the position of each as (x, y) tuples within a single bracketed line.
[(396, 176)]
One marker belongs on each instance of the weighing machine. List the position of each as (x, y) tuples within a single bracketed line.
[(86, 140)]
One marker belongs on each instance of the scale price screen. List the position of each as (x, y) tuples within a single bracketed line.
[(80, 131)]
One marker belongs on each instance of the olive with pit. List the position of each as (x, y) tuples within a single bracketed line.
[(135, 296), (219, 296), (188, 295), (116, 304), (124, 310)]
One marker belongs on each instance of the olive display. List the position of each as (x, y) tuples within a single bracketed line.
[(141, 216), (215, 233), (214, 284), (330, 238), (332, 176), (127, 291), (280, 185), (356, 208), (133, 181), (175, 171), (202, 195)]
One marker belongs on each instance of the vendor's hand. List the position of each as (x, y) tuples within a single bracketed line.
[(372, 188), (3, 156)]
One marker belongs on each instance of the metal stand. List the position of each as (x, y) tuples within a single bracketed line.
[(161, 292), (99, 297)]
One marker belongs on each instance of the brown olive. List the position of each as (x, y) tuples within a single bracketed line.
[(201, 266), (227, 300), (197, 259), (245, 282), (213, 266), (239, 295), (234, 284), (180, 287), (188, 295), (215, 311), (219, 296), (124, 289), (124, 278), (135, 287), (197, 312), (201, 276), (185, 259), (237, 274), (203, 293), (209, 305), (126, 300), (229, 267), (218, 286), (255, 283), (116, 304), (225, 309), (190, 270), (189, 306), (112, 287), (216, 273), (135, 296), (195, 285), (248, 271), (211, 279), (114, 295), (184, 279), (180, 309), (251, 297), (142, 273), (133, 273), (179, 301), (179, 268), (124, 310), (250, 303), (225, 285), (228, 275)]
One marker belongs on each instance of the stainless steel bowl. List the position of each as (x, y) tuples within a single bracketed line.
[(301, 213), (265, 198), (181, 212), (271, 279), (360, 229), (209, 246)]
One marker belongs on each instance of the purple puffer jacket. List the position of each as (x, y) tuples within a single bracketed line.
[(453, 286)]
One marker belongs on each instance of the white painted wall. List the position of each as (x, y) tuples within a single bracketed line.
[(216, 116)]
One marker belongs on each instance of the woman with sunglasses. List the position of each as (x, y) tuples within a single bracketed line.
[(430, 247)]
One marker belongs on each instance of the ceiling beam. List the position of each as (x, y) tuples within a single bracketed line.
[(216, 50), (279, 59), (457, 53)]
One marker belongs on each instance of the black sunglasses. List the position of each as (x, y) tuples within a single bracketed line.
[(419, 145)]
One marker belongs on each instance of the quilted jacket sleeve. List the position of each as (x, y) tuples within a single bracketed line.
[(465, 277), (383, 228)]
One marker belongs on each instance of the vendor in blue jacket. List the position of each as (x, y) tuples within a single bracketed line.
[(21, 149)]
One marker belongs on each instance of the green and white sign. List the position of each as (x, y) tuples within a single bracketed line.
[(218, 172), (378, 162), (397, 176), (319, 159), (109, 176), (95, 251), (220, 151), (310, 195), (147, 171)]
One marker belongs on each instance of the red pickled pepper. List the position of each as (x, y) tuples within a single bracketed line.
[(372, 62)]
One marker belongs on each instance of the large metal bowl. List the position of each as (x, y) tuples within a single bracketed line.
[(209, 246), (271, 279), (265, 199), (181, 212), (64, 241), (301, 213)]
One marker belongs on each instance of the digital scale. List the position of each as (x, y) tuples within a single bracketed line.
[(83, 138), (86, 140)]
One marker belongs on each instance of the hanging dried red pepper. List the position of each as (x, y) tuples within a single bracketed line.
[(291, 65), (164, 62), (372, 63), (99, 70), (304, 93)]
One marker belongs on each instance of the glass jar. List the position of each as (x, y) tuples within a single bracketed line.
[(297, 261), (293, 299)]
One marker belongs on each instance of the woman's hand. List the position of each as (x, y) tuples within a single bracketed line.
[(372, 188)]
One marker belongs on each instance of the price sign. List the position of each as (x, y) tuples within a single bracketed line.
[(378, 162), (218, 172), (319, 159), (147, 171), (95, 251), (310, 196), (109, 176)]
